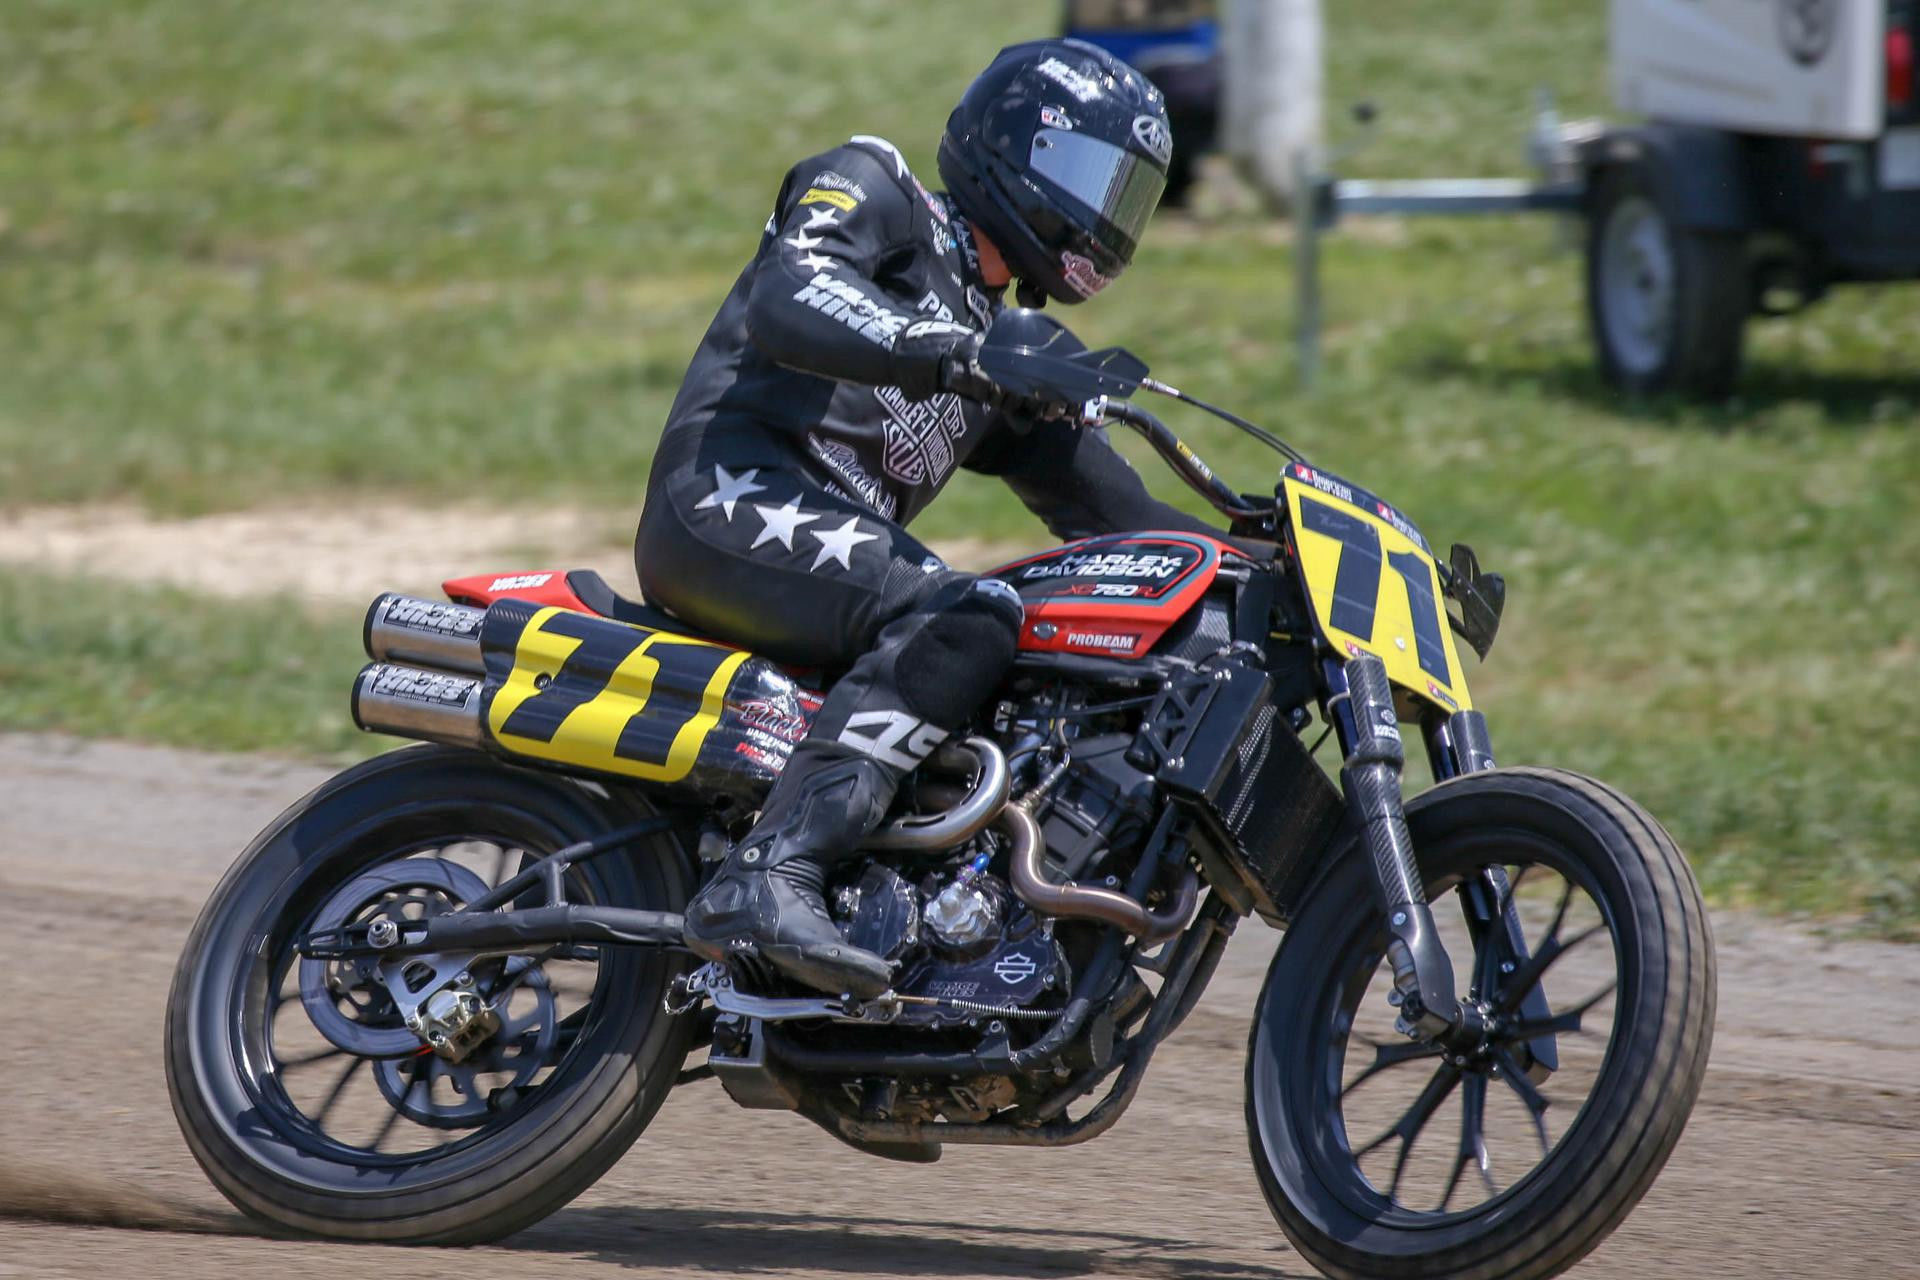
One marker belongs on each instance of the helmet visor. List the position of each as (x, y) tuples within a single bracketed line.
[(1119, 186)]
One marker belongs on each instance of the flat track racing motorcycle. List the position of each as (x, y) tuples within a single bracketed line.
[(442, 994)]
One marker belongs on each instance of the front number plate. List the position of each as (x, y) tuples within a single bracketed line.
[(1373, 585)]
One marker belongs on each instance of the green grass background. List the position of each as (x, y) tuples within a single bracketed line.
[(255, 252)]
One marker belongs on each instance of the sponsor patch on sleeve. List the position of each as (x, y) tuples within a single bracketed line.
[(841, 200)]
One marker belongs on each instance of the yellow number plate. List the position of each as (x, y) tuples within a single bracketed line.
[(603, 695), (1373, 585)]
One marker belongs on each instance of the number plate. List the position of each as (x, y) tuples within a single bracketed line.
[(598, 694), (1373, 585)]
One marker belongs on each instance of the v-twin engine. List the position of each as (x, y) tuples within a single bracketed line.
[(968, 948)]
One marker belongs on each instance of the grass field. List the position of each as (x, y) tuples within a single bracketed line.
[(252, 252)]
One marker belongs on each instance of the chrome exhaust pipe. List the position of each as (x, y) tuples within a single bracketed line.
[(425, 633), (1026, 866), (438, 706), (972, 814)]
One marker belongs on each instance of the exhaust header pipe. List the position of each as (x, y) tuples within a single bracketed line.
[(425, 633), (1027, 867)]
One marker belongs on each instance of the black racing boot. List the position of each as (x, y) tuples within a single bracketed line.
[(766, 900)]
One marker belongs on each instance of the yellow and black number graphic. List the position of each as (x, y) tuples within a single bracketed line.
[(602, 695), (1374, 590)]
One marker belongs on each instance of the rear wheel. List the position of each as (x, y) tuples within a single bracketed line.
[(300, 1090), (1384, 1157)]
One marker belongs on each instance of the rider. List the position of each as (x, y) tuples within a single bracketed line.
[(834, 394)]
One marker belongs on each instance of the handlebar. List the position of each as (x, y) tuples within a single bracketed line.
[(1032, 356), (1185, 462)]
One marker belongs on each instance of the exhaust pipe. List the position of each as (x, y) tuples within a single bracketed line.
[(1027, 874), (425, 633), (438, 706), (969, 815)]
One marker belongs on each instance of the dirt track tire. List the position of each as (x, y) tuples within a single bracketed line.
[(1667, 305), (625, 1055), (1643, 1091)]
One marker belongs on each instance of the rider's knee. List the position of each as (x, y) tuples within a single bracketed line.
[(969, 634)]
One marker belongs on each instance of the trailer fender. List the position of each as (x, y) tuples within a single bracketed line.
[(1699, 175)]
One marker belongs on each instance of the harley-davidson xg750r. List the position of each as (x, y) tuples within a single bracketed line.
[(444, 993)]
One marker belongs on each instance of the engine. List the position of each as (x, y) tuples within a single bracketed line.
[(968, 949)]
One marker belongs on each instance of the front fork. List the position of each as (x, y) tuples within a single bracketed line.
[(1361, 705)]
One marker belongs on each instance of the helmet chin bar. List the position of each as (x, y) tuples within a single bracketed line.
[(1028, 294)]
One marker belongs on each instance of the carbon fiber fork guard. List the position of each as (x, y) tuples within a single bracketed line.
[(1369, 730)]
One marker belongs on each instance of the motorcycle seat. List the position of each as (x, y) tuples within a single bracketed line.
[(595, 593)]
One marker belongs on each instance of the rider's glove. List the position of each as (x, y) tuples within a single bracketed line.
[(960, 373), (932, 356), (924, 351)]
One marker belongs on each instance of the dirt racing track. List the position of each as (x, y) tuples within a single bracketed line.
[(1803, 1158)]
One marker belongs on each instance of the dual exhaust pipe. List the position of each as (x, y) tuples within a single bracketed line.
[(426, 677)]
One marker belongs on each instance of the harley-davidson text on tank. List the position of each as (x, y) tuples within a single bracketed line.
[(1113, 595)]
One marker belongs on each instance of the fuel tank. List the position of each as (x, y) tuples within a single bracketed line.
[(1114, 595)]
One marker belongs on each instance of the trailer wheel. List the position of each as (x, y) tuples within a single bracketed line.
[(1668, 304)]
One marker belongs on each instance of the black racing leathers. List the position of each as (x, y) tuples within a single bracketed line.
[(804, 361), (808, 432)]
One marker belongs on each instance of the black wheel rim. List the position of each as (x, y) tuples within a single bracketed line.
[(1407, 1136), (303, 1086)]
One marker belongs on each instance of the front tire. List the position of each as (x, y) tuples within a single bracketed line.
[(483, 1162), (1340, 1200)]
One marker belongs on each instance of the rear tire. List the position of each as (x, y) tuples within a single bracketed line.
[(1667, 304), (1644, 1081), (547, 1145)]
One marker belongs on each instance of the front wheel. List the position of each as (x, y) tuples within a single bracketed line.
[(299, 1087), (1581, 937)]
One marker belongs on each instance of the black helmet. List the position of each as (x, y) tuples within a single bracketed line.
[(1058, 152)]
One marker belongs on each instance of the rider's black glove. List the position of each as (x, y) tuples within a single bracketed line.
[(924, 351), (932, 356), (961, 374)]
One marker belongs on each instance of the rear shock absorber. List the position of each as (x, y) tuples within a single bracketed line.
[(1369, 730)]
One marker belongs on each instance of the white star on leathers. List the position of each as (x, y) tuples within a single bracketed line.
[(816, 262), (782, 522), (821, 218), (729, 489), (838, 544), (803, 242)]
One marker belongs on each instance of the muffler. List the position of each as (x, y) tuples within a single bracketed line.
[(425, 633), (439, 706)]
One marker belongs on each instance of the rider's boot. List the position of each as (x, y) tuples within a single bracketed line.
[(767, 900)]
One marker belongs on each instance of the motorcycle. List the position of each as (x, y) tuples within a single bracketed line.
[(441, 995)]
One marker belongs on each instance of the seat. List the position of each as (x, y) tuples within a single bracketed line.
[(597, 595)]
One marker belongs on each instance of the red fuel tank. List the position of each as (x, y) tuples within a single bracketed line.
[(1114, 595)]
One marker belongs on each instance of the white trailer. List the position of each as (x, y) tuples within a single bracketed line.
[(1779, 155)]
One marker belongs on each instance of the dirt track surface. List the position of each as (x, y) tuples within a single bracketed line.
[(1803, 1158), (343, 554)]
